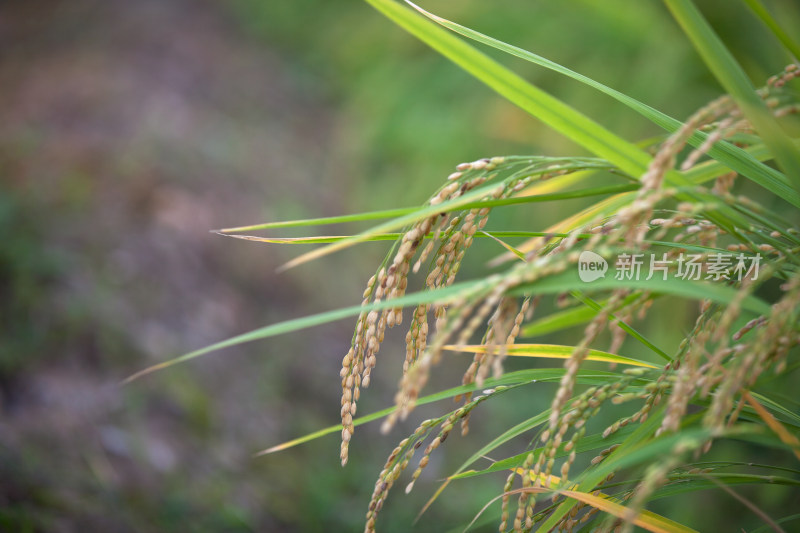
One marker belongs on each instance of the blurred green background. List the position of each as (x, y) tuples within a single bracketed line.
[(129, 129)]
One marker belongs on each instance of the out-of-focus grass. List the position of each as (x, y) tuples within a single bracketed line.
[(408, 109)]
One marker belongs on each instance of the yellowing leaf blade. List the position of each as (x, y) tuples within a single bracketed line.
[(547, 351)]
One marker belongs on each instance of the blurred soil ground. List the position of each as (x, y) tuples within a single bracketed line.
[(129, 129)]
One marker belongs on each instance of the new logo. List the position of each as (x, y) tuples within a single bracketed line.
[(591, 266)]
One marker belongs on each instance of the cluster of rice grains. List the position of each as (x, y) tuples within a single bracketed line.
[(449, 234), (714, 363)]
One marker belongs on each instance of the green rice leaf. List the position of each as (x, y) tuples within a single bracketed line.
[(585, 444), (566, 281), (683, 483), (566, 319), (469, 200), (440, 295), (769, 21), (728, 154), (562, 282), (536, 375), (731, 76), (444, 207), (553, 112)]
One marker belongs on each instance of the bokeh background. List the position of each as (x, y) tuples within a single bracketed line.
[(130, 129)]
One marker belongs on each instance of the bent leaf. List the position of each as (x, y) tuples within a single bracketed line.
[(469, 200), (645, 519)]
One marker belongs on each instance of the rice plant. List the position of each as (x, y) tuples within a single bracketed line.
[(671, 224)]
